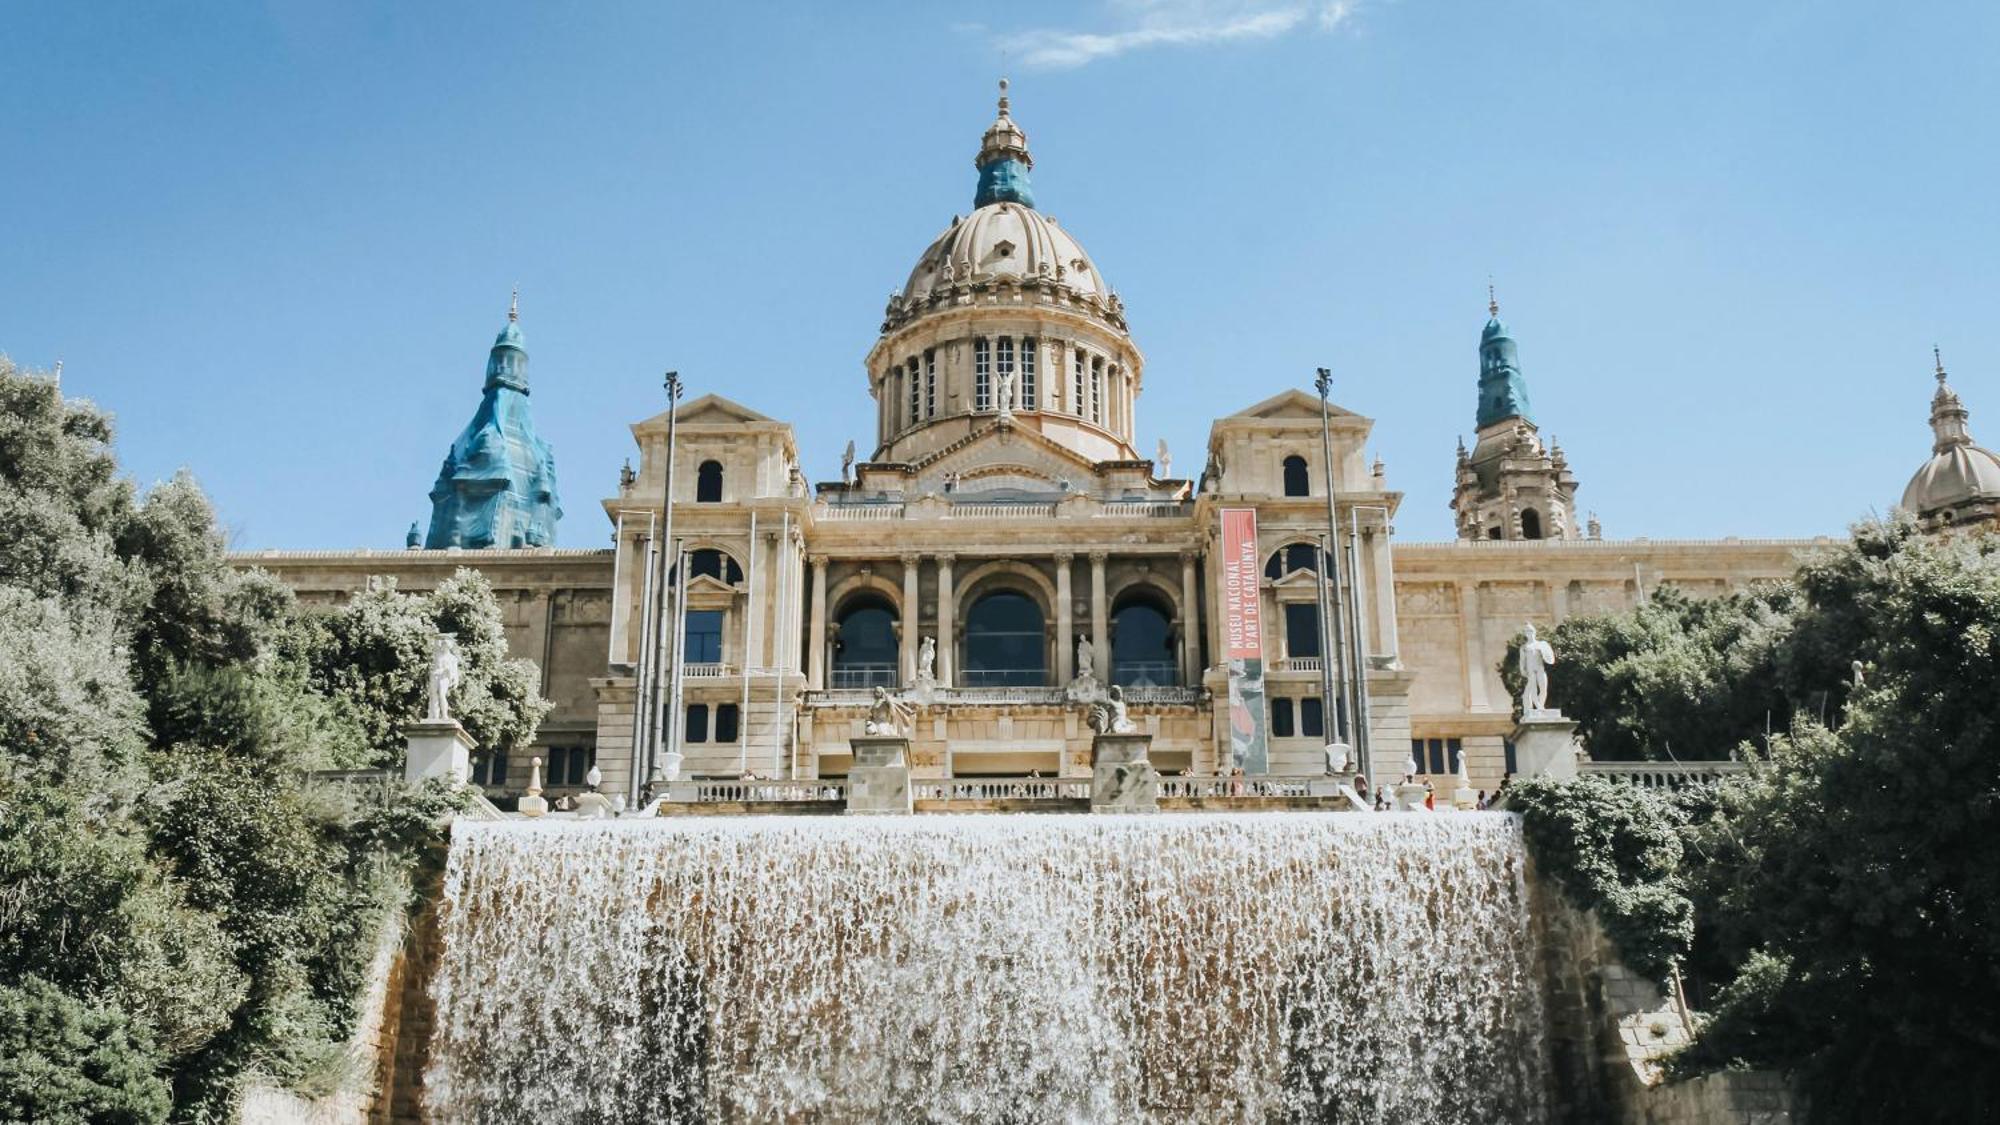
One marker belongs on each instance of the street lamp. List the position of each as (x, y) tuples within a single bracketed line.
[(644, 756), (1333, 663)]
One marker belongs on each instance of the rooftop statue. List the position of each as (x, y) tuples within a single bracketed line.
[(887, 716), (1107, 716)]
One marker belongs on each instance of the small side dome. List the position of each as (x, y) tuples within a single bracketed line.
[(1961, 481)]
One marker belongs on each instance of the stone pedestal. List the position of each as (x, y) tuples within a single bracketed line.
[(1545, 745), (1409, 798), (438, 748), (879, 779), (1122, 777)]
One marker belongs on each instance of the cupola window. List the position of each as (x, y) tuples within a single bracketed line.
[(1531, 524), (916, 393), (930, 382), (982, 375), (1029, 400), (1004, 358), (1097, 389), (1076, 383)]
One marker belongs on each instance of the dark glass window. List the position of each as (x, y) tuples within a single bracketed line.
[(708, 483), (1301, 629), (727, 720), (711, 563), (1296, 481), (864, 646), (1004, 645), (568, 765), (1507, 749), (489, 771), (704, 636), (697, 723), (1142, 647), (1312, 718), (1281, 718)]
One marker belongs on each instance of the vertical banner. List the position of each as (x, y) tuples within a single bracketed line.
[(1243, 639)]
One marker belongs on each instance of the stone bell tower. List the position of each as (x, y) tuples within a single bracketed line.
[(1510, 485)]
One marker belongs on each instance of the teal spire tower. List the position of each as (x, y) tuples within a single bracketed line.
[(1003, 162), (1503, 393), (497, 487)]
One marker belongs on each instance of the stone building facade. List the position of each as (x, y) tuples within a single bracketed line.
[(1005, 552)]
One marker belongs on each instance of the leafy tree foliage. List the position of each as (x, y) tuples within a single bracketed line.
[(180, 902), (1846, 896)]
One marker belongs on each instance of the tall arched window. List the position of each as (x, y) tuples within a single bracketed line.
[(1291, 557), (1004, 642), (864, 644), (1030, 400), (1142, 643), (1531, 524), (982, 375), (1297, 483), (708, 483)]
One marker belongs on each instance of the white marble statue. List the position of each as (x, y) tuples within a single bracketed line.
[(887, 716), (1165, 460), (847, 463), (444, 676), (1108, 715), (1086, 661), (927, 661), (1536, 656), (1003, 394)]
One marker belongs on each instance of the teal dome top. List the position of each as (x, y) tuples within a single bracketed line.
[(1003, 162), (1503, 393), (497, 487)]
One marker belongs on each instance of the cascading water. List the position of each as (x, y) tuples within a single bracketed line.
[(1267, 966)]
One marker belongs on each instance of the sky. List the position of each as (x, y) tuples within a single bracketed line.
[(275, 240)]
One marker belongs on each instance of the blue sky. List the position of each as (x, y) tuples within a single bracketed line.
[(276, 239)]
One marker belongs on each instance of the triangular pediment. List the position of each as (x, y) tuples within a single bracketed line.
[(709, 410), (1290, 405), (1008, 458)]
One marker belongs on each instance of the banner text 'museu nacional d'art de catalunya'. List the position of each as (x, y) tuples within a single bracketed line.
[(1243, 639)]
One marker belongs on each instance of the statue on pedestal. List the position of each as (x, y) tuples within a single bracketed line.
[(444, 676), (927, 662), (1108, 716), (1003, 394), (887, 716), (1536, 656)]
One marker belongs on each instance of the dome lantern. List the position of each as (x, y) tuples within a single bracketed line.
[(1003, 161)]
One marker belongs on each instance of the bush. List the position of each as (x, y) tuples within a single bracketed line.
[(64, 1061)]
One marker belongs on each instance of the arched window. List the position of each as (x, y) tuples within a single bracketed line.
[(1004, 643), (1291, 557), (708, 483), (1296, 481), (864, 644), (1531, 524), (1142, 644), (708, 562), (982, 375)]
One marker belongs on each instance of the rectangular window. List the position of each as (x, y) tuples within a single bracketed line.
[(1301, 629), (1454, 749), (930, 382), (1028, 399), (1076, 383), (1312, 717), (916, 395), (1097, 390), (982, 376), (1004, 360), (489, 771), (1281, 717), (697, 723), (1507, 750), (569, 765), (704, 636), (727, 720)]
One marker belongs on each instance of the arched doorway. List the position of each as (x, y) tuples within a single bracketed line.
[(1531, 524), (864, 644), (1005, 643), (1142, 642)]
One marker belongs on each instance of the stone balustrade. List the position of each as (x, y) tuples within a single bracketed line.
[(1663, 775)]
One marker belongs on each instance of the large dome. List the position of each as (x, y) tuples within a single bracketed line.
[(1005, 241), (1961, 481)]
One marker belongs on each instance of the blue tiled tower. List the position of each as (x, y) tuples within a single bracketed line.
[(497, 487)]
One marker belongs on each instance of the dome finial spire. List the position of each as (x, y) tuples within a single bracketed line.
[(514, 306), (1492, 302), (1003, 95), (1003, 161), (1937, 358)]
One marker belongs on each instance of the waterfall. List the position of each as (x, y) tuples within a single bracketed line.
[(1031, 968)]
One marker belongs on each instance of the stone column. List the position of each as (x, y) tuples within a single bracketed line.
[(1385, 594), (947, 625), (910, 618), (1065, 623), (1470, 630), (1100, 613), (1190, 624), (816, 659)]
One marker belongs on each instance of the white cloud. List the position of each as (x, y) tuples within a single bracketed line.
[(1177, 23)]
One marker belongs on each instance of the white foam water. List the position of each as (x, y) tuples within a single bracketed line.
[(1026, 968)]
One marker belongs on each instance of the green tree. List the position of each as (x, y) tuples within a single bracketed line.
[(65, 1062)]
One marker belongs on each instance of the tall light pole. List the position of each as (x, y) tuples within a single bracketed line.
[(643, 757), (1336, 682)]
